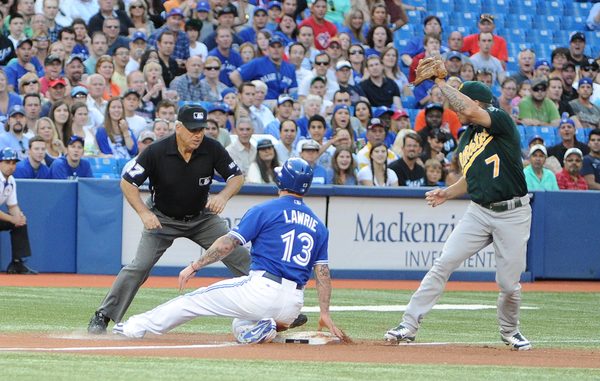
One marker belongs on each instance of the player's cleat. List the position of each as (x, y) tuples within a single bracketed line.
[(517, 342), (299, 322), (264, 331), (398, 334), (98, 323), (19, 267)]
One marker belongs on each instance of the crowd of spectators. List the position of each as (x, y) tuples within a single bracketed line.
[(319, 79)]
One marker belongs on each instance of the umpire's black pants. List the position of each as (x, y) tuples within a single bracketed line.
[(19, 239)]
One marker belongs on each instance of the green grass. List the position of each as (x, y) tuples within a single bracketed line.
[(561, 320)]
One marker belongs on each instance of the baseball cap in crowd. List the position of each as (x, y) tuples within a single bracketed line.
[(375, 122), (261, 9), (264, 143), (227, 10), (139, 35), (318, 78), (74, 139), (571, 151), (51, 59), (276, 40), (577, 36), (539, 63), (74, 57), (16, 109), (79, 90), (586, 81), (334, 40), (25, 41), (175, 12), (284, 98), (434, 106), (538, 147), (536, 137), (399, 114), (192, 117), (486, 17), (310, 145), (203, 6), (380, 111), (590, 65), (340, 107), (453, 55), (8, 153), (274, 4), (537, 82), (219, 106), (476, 91), (229, 90), (566, 121), (342, 64), (57, 81), (145, 135), (131, 92)]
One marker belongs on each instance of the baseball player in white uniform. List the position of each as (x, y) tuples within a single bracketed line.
[(288, 240)]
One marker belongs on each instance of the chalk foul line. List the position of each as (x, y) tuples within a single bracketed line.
[(119, 348)]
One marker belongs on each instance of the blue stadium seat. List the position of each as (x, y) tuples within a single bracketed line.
[(582, 134), (523, 136), (523, 7), (515, 36), (547, 21), (494, 6), (518, 21), (540, 36), (573, 23), (550, 8), (543, 51), (440, 5), (412, 114), (415, 17), (561, 37), (549, 134), (105, 168), (578, 9), (473, 6)]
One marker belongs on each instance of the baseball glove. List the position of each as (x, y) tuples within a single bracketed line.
[(430, 68)]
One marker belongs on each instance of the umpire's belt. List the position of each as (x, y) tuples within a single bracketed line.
[(503, 206), (186, 218), (279, 279)]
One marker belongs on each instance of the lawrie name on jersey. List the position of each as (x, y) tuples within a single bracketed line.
[(297, 217)]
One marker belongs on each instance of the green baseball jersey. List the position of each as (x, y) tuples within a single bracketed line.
[(491, 159)]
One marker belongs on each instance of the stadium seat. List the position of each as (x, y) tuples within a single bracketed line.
[(462, 6), (523, 7), (561, 37), (578, 9), (540, 36), (440, 5), (415, 17), (104, 168), (494, 6), (582, 134), (523, 136), (547, 22), (550, 8), (518, 21), (515, 36), (549, 134), (573, 23)]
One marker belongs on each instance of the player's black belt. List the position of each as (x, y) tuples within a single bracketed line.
[(503, 206), (279, 279)]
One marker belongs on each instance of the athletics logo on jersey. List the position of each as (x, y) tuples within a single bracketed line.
[(474, 149)]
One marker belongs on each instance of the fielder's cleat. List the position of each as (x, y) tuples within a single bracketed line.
[(19, 267), (98, 323), (299, 322), (517, 342), (264, 331), (398, 334)]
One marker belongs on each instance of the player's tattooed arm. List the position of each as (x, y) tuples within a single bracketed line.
[(323, 282), (221, 248), (464, 105)]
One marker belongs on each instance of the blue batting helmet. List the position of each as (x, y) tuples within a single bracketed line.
[(8, 153), (295, 175)]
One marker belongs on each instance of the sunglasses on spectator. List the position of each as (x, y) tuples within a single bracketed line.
[(589, 68), (321, 63), (539, 88), (32, 82), (133, 6), (41, 38), (335, 46), (212, 67)]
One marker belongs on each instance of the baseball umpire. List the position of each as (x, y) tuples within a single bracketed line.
[(14, 220), (288, 241), (180, 168), (499, 212)]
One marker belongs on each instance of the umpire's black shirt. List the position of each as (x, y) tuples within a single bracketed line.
[(180, 189)]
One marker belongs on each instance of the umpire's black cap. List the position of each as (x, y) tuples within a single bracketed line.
[(192, 117)]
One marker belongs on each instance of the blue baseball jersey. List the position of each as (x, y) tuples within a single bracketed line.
[(228, 64), (278, 81), (288, 239)]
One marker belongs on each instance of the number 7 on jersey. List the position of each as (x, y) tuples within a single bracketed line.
[(494, 159)]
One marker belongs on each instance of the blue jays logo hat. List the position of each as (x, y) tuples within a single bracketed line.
[(586, 81), (276, 40), (192, 117), (74, 139), (7, 154), (203, 6), (139, 35)]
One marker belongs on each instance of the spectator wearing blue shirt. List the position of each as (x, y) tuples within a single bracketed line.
[(284, 111), (25, 62), (259, 21), (34, 166), (182, 42), (15, 132), (230, 59), (280, 76), (71, 166)]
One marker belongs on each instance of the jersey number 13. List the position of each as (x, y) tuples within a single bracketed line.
[(302, 258)]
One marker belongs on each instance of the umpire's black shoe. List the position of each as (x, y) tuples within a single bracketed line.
[(98, 324), (300, 321), (19, 267)]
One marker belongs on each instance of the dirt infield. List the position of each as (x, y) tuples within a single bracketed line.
[(221, 346)]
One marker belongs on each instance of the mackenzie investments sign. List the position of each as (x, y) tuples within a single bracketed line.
[(370, 233)]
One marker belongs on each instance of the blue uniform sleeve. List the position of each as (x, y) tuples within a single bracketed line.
[(249, 226), (322, 253)]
